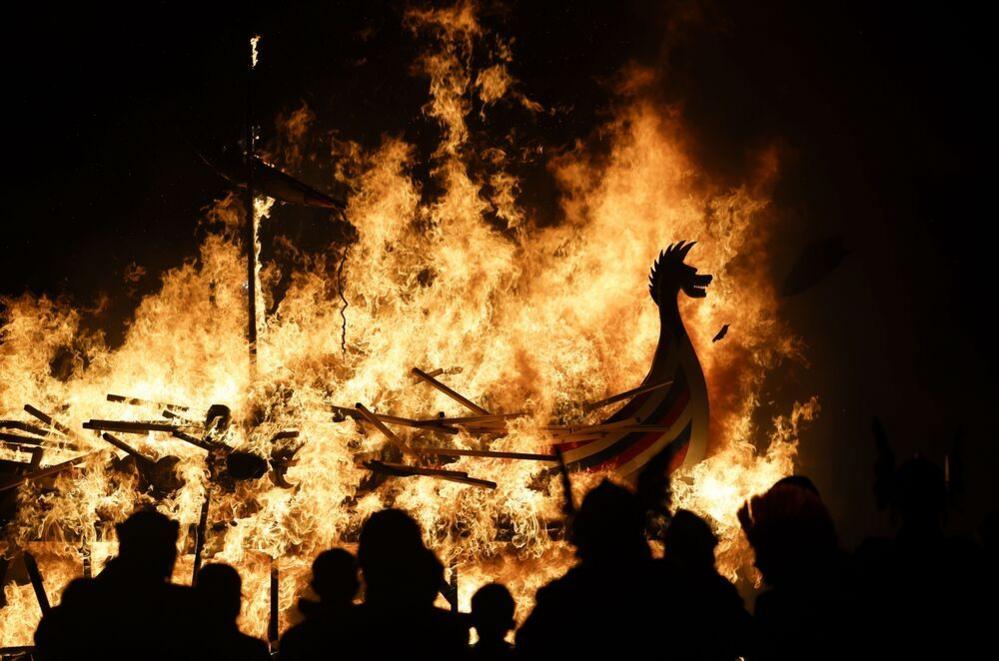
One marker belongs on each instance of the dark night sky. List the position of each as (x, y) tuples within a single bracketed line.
[(879, 112)]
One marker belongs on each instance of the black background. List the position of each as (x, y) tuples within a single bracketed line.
[(880, 112)]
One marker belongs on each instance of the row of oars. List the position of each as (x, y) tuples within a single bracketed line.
[(34, 440), (483, 422)]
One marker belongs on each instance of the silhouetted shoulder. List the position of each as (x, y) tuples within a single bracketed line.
[(248, 648)]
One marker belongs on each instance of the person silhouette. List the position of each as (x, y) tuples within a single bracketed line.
[(492, 616), (613, 602), (335, 581), (807, 609), (402, 578), (129, 610), (219, 593), (802, 481), (922, 582), (706, 606)]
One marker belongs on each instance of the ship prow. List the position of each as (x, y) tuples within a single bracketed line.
[(670, 407)]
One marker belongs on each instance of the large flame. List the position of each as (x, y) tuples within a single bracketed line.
[(536, 319)]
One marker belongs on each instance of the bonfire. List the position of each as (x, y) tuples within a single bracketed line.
[(452, 358)]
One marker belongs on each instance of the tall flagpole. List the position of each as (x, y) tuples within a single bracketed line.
[(251, 215)]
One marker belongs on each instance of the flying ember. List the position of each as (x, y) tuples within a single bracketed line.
[(452, 357)]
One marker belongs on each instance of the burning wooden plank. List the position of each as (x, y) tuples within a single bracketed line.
[(439, 371), (167, 413), (569, 503), (461, 399), (17, 439), (26, 443), (199, 541), (405, 470), (47, 419), (44, 472), (344, 412), (431, 373), (36, 458), (582, 438), (23, 426), (136, 401), (131, 426), (193, 440), (472, 481), (472, 420), (589, 429), (35, 576), (597, 432), (125, 447), (627, 394), (8, 463), (380, 426), (488, 454), (272, 620), (58, 426), (640, 429)]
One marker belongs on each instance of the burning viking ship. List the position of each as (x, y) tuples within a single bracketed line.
[(666, 414), (669, 411)]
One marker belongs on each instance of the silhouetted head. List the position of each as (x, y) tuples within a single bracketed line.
[(334, 576), (386, 536), (800, 481), (670, 275), (610, 525), (220, 592), (492, 612), (397, 566), (147, 543), (919, 493), (689, 541), (791, 533)]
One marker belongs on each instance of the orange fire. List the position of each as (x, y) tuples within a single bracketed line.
[(536, 319)]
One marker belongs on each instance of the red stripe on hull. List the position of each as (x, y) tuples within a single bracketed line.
[(640, 445)]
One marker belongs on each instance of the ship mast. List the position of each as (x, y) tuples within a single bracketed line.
[(251, 216)]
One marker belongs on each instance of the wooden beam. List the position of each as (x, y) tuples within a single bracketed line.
[(125, 447), (272, 620), (58, 426), (626, 394), (199, 542), (488, 454), (23, 426), (44, 472), (135, 401), (380, 426), (130, 426), (35, 576), (461, 399)]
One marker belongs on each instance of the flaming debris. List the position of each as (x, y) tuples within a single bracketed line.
[(540, 320)]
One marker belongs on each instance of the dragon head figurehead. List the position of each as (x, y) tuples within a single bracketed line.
[(670, 275)]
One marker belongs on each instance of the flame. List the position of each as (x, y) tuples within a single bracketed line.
[(526, 318), (254, 50)]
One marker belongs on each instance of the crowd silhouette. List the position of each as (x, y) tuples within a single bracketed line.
[(919, 594)]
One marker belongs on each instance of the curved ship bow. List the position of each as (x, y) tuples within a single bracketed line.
[(671, 408)]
